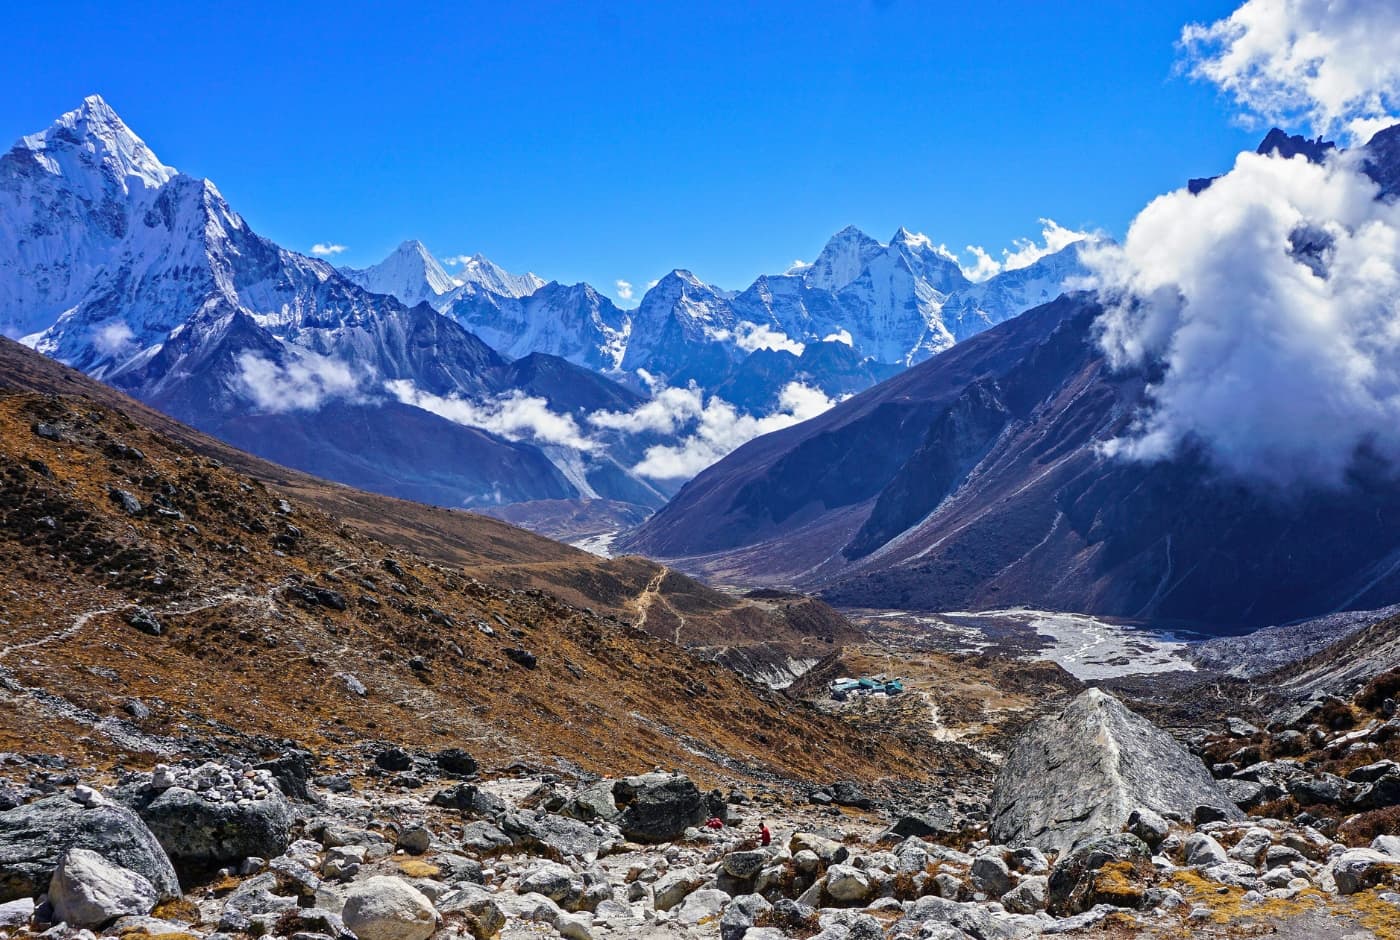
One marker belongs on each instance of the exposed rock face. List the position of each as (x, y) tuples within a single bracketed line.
[(34, 837), (88, 891), (1080, 774)]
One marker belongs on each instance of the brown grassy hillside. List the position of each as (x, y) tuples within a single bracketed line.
[(265, 606)]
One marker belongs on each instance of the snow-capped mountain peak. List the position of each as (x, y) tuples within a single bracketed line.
[(93, 134), (413, 275), (481, 272), (410, 273), (846, 254)]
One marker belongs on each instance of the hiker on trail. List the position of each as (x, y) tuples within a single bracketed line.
[(714, 822), (764, 836)]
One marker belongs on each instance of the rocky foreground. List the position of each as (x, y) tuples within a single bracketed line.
[(1104, 824)]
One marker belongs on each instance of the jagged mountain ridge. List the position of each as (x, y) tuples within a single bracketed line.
[(145, 277), (891, 304)]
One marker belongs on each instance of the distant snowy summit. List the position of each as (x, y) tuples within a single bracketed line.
[(890, 304), (414, 276)]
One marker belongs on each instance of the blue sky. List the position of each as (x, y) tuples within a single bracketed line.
[(605, 141)]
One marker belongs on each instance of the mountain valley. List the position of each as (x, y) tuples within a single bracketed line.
[(905, 593)]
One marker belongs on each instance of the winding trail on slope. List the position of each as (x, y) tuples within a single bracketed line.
[(650, 595), (120, 732)]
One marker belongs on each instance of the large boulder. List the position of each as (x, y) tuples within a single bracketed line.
[(659, 807), (1080, 774), (1111, 870), (205, 831), (384, 908), (34, 837), (86, 890), (557, 836)]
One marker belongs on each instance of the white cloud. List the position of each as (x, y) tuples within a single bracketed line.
[(326, 250), (456, 260), (1055, 237), (798, 266), (1334, 64), (514, 415), (653, 282), (304, 383), (721, 428), (666, 412), (1023, 252), (840, 336), (624, 289), (983, 265), (699, 429), (114, 339), (1271, 303), (751, 336)]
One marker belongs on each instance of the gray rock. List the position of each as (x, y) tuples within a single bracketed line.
[(673, 887), (415, 840), (484, 837), (1029, 860), (1027, 897), (825, 849), (660, 809), (455, 761), (1078, 775), (1378, 794), (384, 908), (1373, 772), (926, 915), (1322, 788), (936, 821), (991, 875), (1252, 846), (740, 915), (16, 913), (145, 621), (848, 884), (848, 793), (1070, 887), (701, 905), (469, 798), (86, 890), (595, 801), (1201, 850), (33, 837), (554, 835), (552, 880), (575, 926), (1148, 826), (200, 835), (744, 865), (1240, 728), (124, 499), (1245, 794), (1358, 869)]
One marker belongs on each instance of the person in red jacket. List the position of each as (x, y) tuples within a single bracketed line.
[(764, 836)]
